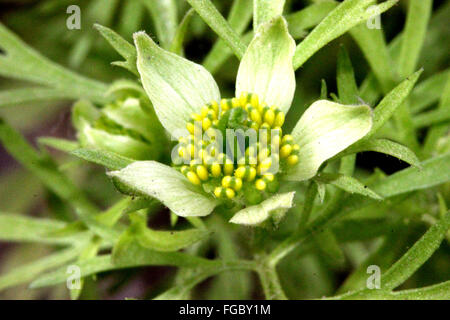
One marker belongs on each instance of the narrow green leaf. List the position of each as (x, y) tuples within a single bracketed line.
[(19, 228), (344, 17), (329, 247), (437, 132), (434, 171), (239, 18), (128, 252), (346, 82), (387, 147), (104, 158), (136, 256), (164, 14), (431, 118), (131, 17), (185, 285), (165, 241), (386, 108), (440, 291), (417, 255), (59, 144), (21, 96), (177, 42), (123, 47), (265, 10), (417, 18), (19, 61), (348, 184), (217, 22), (428, 91), (30, 271), (308, 17), (44, 168), (372, 43)]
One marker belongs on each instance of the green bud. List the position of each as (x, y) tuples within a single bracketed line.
[(121, 127)]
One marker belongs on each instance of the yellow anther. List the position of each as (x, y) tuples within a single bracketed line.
[(181, 152), (285, 151), (212, 115), (269, 117), (184, 170), (190, 127), (263, 154), (266, 127), (240, 172), (193, 163), (216, 170), (182, 140), (228, 167), (251, 174), (292, 160), (235, 102), (226, 181), (287, 139), (279, 119), (262, 107), (280, 131), (237, 184), (230, 193), (269, 177), (192, 177), (218, 192), (206, 123), (196, 117), (295, 148), (254, 125), (254, 100), (243, 98), (264, 165), (204, 111), (215, 106), (275, 141), (260, 185), (251, 151), (191, 149), (255, 115), (224, 105), (202, 173)]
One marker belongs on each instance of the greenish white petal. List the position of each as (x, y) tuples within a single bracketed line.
[(275, 207), (168, 186), (325, 129), (266, 68), (176, 86)]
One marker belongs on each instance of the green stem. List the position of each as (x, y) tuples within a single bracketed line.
[(270, 282), (208, 12)]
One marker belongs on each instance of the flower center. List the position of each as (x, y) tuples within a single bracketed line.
[(235, 149)]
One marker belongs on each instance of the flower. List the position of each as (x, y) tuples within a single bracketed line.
[(121, 126), (185, 96)]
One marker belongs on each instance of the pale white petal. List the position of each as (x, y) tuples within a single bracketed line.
[(176, 86), (266, 68), (168, 186), (325, 129), (275, 207)]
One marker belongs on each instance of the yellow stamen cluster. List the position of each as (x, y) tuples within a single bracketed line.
[(205, 163)]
